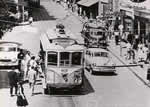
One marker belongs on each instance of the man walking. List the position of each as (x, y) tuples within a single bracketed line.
[(20, 56), (13, 79), (116, 33)]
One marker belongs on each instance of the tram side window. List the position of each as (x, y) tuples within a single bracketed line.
[(99, 33), (52, 58), (64, 58), (76, 58)]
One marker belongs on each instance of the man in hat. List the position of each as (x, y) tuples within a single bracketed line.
[(13, 79)]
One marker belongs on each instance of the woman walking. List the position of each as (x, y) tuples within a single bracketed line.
[(21, 99)]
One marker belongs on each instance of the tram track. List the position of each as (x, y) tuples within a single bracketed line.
[(66, 101)]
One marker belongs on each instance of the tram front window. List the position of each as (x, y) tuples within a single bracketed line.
[(64, 58), (76, 58), (52, 58)]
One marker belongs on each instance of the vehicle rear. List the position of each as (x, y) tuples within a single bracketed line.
[(99, 60)]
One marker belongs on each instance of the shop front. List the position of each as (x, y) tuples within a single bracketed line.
[(89, 8)]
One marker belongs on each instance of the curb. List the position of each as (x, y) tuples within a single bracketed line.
[(131, 69)]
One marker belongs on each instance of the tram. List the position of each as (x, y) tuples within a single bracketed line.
[(62, 59), (94, 34)]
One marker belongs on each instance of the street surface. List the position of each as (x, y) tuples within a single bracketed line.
[(122, 89)]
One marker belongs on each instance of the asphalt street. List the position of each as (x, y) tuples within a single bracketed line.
[(122, 89)]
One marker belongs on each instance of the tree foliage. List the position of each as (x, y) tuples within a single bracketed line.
[(7, 21)]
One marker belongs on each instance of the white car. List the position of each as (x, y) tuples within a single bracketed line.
[(8, 54), (99, 60)]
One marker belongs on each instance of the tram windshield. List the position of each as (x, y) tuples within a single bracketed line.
[(52, 58), (64, 58), (70, 58)]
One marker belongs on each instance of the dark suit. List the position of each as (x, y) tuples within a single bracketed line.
[(13, 79)]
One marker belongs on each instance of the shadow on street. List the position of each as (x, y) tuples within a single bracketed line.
[(40, 13), (105, 74)]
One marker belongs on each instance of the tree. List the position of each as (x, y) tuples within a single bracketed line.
[(7, 22)]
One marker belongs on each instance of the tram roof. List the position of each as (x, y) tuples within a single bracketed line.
[(53, 34), (9, 43), (55, 47), (97, 50)]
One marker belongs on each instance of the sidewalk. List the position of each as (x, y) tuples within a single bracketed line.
[(7, 101), (139, 72)]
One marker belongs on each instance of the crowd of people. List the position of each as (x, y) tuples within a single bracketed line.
[(29, 69), (136, 46)]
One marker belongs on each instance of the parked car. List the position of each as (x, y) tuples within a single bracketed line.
[(99, 60), (8, 54)]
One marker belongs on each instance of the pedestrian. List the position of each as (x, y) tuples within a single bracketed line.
[(27, 59), (140, 54), (116, 33), (32, 79), (148, 74), (13, 79), (20, 57), (30, 20), (128, 47), (32, 62), (145, 51), (21, 99), (130, 38)]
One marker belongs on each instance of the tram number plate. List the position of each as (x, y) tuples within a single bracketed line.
[(64, 70)]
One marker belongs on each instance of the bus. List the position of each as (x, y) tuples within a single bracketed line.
[(62, 60), (94, 34)]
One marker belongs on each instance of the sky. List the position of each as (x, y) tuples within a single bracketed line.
[(145, 3)]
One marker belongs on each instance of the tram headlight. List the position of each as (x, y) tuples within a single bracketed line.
[(78, 76)]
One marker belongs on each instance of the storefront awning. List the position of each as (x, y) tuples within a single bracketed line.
[(17, 2), (87, 3)]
